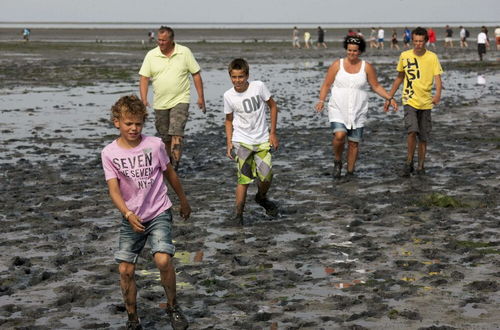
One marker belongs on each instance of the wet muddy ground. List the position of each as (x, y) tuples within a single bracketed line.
[(374, 252)]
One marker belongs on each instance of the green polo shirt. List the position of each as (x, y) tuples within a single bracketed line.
[(170, 75)]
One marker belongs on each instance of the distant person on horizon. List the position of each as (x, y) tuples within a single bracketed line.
[(136, 168), (307, 40), (321, 38), (482, 43), (394, 39), (463, 37), (348, 79), (380, 38), (432, 38), (373, 38), (169, 66), (420, 69), (295, 38), (406, 37), (448, 39), (497, 37), (151, 36), (26, 34), (248, 137)]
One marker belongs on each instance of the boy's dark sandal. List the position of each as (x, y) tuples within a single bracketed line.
[(270, 206), (134, 325), (177, 319)]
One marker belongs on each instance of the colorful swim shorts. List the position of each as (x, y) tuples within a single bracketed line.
[(253, 161)]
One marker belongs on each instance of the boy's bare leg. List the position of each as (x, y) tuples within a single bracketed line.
[(411, 142), (422, 149), (263, 188), (241, 196), (129, 289), (176, 150), (167, 275), (352, 155)]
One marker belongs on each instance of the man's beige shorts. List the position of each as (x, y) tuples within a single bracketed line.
[(172, 121)]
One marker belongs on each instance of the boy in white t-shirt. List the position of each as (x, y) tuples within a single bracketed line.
[(248, 134), (135, 167)]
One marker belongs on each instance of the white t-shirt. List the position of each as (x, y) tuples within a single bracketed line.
[(249, 113), (380, 34), (481, 38)]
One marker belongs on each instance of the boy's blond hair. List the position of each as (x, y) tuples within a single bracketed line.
[(130, 105)]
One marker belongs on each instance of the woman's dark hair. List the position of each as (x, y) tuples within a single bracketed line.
[(355, 40)]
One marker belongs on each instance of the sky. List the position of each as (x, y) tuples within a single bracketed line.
[(250, 11)]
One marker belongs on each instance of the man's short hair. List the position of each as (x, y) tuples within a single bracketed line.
[(239, 64), (355, 40), (168, 29), (420, 31), (129, 105)]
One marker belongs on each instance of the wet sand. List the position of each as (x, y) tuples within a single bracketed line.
[(375, 252)]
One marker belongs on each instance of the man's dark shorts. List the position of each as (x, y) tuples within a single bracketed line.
[(418, 121), (172, 121)]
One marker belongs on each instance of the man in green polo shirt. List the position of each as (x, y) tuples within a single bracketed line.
[(169, 66)]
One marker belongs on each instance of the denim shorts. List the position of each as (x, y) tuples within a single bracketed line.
[(159, 232), (354, 135)]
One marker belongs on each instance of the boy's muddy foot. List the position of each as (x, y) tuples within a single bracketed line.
[(134, 325), (337, 169), (407, 170), (270, 206)]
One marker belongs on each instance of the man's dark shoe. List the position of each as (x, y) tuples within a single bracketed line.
[(349, 175), (337, 169), (270, 206), (238, 218), (407, 170), (134, 325), (420, 171), (177, 319)]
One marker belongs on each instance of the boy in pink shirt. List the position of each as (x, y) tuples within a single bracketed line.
[(135, 166)]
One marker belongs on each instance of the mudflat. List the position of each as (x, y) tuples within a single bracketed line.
[(374, 252)]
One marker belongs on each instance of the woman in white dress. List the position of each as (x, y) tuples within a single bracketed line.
[(348, 104)]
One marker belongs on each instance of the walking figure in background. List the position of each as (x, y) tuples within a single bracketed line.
[(295, 38), (394, 40), (448, 39), (321, 38), (26, 34), (432, 38), (482, 43)]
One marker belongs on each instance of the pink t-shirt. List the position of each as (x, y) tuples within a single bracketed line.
[(140, 175)]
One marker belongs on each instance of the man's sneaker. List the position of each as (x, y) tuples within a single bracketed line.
[(337, 169), (134, 325), (407, 169), (177, 319), (270, 206)]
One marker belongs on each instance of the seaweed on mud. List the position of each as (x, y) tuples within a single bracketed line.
[(441, 200)]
